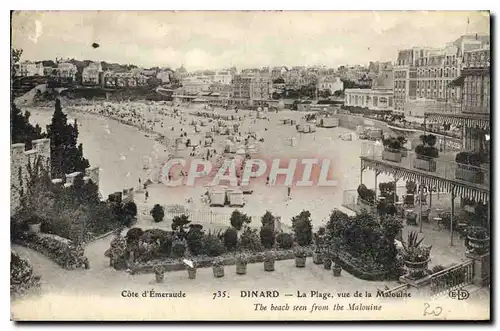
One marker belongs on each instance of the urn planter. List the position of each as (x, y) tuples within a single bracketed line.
[(478, 246), (241, 268), (218, 271), (425, 164), (327, 263), (191, 273), (416, 270), (300, 261), (269, 265), (35, 227), (160, 276), (392, 156), (317, 258), (337, 270)]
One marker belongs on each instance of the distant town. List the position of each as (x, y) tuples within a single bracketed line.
[(419, 80)]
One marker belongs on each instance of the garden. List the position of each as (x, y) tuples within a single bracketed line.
[(23, 281), (188, 246)]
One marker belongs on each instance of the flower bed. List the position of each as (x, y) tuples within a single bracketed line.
[(61, 250), (22, 279), (206, 261), (358, 268)]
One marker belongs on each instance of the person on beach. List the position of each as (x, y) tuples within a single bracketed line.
[(146, 196)]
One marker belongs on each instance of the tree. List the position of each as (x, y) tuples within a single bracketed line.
[(158, 213), (179, 224), (21, 130), (194, 239), (66, 156), (237, 220), (302, 227), (230, 239)]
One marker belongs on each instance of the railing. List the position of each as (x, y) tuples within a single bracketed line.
[(435, 166), (455, 277)]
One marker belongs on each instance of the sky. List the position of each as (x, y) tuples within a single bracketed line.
[(216, 39)]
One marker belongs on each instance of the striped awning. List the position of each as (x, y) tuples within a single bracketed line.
[(441, 184), (480, 121)]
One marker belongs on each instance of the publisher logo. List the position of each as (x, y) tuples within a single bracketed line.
[(459, 294)]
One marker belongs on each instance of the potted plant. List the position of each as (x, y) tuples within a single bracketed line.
[(159, 273), (416, 257), (191, 269), (469, 167), (319, 238), (300, 257), (366, 196), (478, 240), (392, 149), (426, 153), (269, 259), (241, 264), (34, 224), (218, 267), (327, 261), (337, 269)]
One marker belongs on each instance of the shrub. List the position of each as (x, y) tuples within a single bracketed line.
[(22, 278), (194, 239), (284, 240), (180, 224), (230, 239), (178, 248), (268, 220), (302, 228), (238, 219), (250, 240), (427, 150), (212, 245), (267, 236), (157, 213), (130, 209)]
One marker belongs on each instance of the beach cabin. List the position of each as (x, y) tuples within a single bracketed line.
[(300, 128), (312, 128), (217, 198), (235, 198)]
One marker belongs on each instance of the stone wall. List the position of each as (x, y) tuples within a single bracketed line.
[(19, 160)]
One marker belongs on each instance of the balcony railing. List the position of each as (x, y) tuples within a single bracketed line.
[(455, 277), (440, 167)]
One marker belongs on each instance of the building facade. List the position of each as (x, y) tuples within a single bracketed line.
[(66, 70), (376, 99), (331, 84), (28, 68), (91, 74), (253, 87)]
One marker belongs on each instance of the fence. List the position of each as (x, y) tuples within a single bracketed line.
[(436, 166), (455, 277)]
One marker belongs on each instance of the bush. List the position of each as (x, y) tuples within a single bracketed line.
[(22, 278), (212, 245), (302, 228), (230, 239), (284, 240), (157, 213), (267, 236), (179, 224), (178, 248), (194, 239), (238, 219), (249, 240), (268, 220), (61, 250)]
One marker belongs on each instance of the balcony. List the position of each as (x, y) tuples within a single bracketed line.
[(444, 167)]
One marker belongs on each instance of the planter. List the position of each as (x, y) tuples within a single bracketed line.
[(404, 152), (416, 270), (35, 227), (269, 265), (425, 164), (327, 264), (337, 270), (469, 174), (191, 273), (241, 268), (160, 276), (478, 246), (317, 258), (411, 219), (391, 156), (218, 271), (300, 262)]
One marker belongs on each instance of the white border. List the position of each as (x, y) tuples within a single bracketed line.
[(188, 5)]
